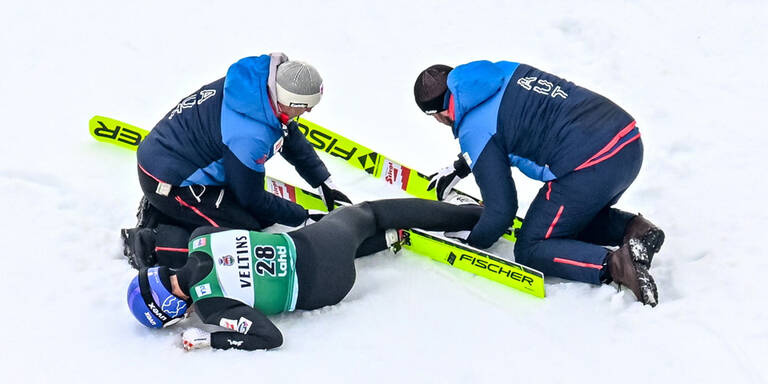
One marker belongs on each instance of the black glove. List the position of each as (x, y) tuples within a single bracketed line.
[(331, 196), (288, 127), (314, 216), (445, 179)]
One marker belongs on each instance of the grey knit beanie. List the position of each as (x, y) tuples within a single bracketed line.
[(298, 84)]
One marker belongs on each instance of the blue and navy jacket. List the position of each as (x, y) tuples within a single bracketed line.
[(223, 134), (511, 114)]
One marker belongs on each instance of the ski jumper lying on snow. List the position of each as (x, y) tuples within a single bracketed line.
[(236, 278)]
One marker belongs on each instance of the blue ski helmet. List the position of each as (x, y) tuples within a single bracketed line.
[(151, 301)]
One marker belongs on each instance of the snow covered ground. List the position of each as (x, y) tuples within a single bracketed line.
[(692, 72)]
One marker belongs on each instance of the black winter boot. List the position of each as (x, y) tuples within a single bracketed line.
[(644, 239), (147, 216), (139, 247), (625, 270)]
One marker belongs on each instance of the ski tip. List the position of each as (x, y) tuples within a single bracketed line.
[(116, 132)]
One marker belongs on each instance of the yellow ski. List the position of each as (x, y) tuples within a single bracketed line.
[(447, 251), (116, 132), (378, 165), (474, 261)]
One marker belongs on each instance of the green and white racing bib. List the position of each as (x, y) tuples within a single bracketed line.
[(257, 269)]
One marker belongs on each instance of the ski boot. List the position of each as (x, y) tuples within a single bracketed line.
[(627, 268), (394, 243), (643, 238), (139, 247)]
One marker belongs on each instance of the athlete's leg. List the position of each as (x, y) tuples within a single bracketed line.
[(171, 245), (164, 245), (168, 244), (420, 214), (424, 214), (326, 250), (352, 226), (607, 228), (198, 205), (573, 208), (371, 245), (183, 208), (325, 253)]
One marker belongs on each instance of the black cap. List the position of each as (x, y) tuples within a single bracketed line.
[(430, 88)]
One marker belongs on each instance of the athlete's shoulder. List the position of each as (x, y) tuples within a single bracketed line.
[(248, 70), (246, 91), (481, 69), (473, 83), (475, 76), (213, 89)]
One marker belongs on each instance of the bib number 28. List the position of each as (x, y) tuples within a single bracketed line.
[(270, 261)]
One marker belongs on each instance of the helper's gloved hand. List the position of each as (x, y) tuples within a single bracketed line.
[(195, 338), (313, 216), (445, 179), (458, 235), (456, 199), (331, 196)]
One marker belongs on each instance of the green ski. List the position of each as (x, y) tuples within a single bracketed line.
[(378, 165), (447, 251)]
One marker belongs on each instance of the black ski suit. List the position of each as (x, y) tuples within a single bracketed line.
[(325, 253)]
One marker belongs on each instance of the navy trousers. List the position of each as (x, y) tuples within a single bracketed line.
[(572, 219)]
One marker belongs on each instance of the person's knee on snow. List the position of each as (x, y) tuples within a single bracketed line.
[(525, 245)]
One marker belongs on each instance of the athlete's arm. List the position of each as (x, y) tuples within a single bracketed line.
[(299, 153), (248, 186), (250, 329), (493, 176)]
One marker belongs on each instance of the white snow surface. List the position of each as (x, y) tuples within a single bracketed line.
[(692, 72)]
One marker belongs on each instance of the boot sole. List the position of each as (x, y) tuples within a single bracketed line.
[(644, 248), (124, 236), (135, 262), (648, 289), (127, 249)]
